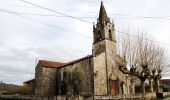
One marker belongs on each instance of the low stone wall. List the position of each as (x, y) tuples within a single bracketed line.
[(129, 96), (29, 97), (121, 97), (96, 97)]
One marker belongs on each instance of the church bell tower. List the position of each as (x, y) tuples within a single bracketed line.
[(102, 31), (104, 47)]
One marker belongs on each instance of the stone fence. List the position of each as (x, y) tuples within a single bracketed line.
[(33, 97), (96, 97), (129, 96)]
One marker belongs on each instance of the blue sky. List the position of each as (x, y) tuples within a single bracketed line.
[(25, 37)]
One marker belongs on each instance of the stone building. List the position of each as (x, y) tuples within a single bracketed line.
[(106, 62), (30, 84), (102, 69), (84, 64), (45, 77)]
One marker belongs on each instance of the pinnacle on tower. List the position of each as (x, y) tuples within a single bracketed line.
[(102, 14)]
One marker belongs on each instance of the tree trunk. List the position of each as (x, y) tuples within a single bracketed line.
[(142, 86), (151, 85), (158, 90), (133, 88)]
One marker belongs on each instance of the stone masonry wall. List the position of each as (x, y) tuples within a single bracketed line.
[(45, 81), (49, 81), (87, 83), (38, 80), (100, 82), (31, 87), (113, 68), (106, 68)]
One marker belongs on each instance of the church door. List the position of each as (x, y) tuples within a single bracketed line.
[(114, 87)]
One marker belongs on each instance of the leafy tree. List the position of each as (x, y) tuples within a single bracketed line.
[(11, 90), (75, 79), (1, 88)]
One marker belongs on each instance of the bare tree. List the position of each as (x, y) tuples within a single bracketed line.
[(145, 58)]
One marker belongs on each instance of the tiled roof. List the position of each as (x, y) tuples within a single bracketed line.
[(51, 64), (75, 61), (29, 81)]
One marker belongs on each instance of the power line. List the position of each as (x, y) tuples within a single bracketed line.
[(139, 16), (54, 26), (50, 15), (142, 18), (56, 11), (143, 38), (49, 25), (136, 17), (78, 18), (131, 16), (30, 13), (84, 20), (14, 5)]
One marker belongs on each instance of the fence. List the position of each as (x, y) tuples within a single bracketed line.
[(138, 96), (33, 97), (96, 97)]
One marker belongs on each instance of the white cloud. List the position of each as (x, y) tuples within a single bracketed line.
[(22, 39)]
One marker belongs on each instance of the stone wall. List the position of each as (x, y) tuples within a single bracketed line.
[(148, 96), (87, 82), (45, 81), (108, 78), (114, 61), (32, 97), (31, 87), (100, 81), (38, 80), (49, 80)]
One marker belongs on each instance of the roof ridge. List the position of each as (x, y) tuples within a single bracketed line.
[(53, 64), (76, 60)]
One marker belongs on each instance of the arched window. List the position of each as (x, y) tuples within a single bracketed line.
[(110, 34), (99, 37), (122, 86)]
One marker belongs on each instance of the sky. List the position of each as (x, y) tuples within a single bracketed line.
[(29, 33)]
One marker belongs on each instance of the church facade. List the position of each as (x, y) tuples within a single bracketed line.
[(97, 74)]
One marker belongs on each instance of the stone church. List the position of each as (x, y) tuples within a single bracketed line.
[(102, 74)]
